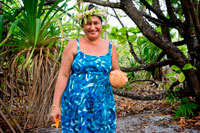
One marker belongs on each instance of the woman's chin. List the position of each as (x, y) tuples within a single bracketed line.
[(93, 37)]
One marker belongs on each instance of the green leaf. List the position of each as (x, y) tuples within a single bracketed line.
[(29, 58), (5, 52), (174, 67), (1, 25), (40, 8), (11, 30), (132, 38), (184, 100), (172, 79), (37, 32), (123, 30), (181, 77), (132, 30), (187, 66), (50, 10), (137, 29), (170, 74), (58, 9)]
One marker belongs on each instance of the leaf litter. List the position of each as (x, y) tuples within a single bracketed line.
[(134, 115), (151, 116)]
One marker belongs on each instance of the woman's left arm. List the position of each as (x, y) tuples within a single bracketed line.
[(115, 61)]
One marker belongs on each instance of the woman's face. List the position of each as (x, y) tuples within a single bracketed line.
[(92, 28)]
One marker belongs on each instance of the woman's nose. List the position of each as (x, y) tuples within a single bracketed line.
[(92, 26)]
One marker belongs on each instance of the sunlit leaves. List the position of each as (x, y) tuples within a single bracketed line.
[(132, 38), (131, 30), (123, 30), (188, 66), (176, 68), (181, 77)]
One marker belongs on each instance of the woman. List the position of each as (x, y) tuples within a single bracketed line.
[(83, 82)]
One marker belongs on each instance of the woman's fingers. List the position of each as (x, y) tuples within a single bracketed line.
[(55, 113)]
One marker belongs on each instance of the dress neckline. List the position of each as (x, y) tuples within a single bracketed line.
[(94, 55), (78, 50)]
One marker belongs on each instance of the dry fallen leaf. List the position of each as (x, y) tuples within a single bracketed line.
[(197, 123)]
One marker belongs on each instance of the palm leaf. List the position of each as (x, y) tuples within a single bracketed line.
[(63, 5), (37, 32), (50, 11), (29, 58), (40, 8), (1, 25), (2, 53), (11, 30)]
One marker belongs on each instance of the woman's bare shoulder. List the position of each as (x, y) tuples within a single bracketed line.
[(71, 47)]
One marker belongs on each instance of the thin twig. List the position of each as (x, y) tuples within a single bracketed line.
[(17, 125), (6, 120)]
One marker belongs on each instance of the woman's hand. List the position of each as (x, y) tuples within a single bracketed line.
[(118, 78), (55, 113)]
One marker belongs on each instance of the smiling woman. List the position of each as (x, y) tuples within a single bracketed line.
[(83, 86), (92, 28)]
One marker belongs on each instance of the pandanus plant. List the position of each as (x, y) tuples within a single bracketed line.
[(35, 46)]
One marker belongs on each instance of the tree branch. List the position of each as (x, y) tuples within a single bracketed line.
[(160, 16), (139, 97), (199, 11), (160, 56), (154, 20), (170, 10), (195, 19), (130, 44), (11, 117), (179, 43), (104, 3), (153, 82), (148, 66), (154, 36), (160, 96)]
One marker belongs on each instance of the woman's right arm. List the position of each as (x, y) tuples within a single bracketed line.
[(63, 76)]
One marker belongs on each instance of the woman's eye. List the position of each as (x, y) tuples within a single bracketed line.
[(88, 24)]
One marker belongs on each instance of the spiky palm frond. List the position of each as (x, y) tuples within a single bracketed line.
[(34, 60)]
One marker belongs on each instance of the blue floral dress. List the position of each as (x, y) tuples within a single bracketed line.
[(87, 103)]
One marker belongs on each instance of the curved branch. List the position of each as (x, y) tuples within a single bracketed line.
[(173, 85), (156, 21), (50, 2), (160, 16), (179, 43), (153, 82), (154, 96), (160, 56), (148, 66), (104, 3), (139, 97)]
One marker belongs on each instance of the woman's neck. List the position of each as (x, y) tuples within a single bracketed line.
[(92, 41)]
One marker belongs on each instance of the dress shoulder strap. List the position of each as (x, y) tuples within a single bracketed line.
[(110, 46), (77, 42)]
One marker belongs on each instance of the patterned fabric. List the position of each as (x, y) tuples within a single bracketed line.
[(87, 103)]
